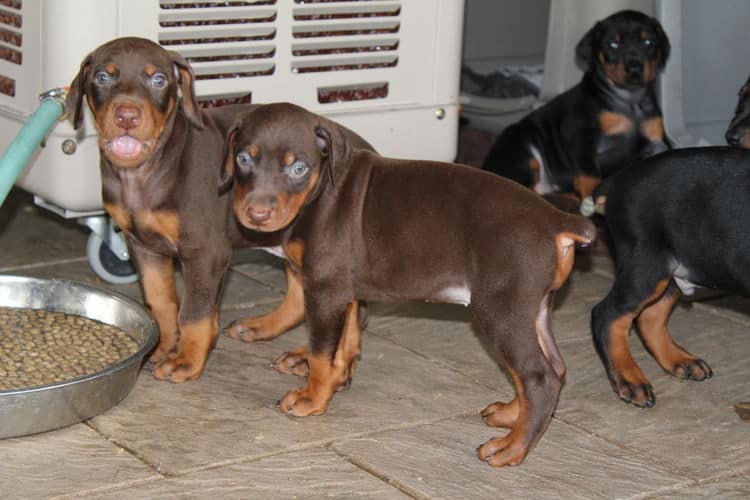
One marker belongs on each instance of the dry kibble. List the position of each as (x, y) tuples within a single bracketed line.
[(39, 347)]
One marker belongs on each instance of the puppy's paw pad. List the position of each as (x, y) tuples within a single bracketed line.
[(499, 452), (292, 363), (300, 403), (695, 369)]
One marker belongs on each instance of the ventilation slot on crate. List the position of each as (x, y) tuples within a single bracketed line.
[(229, 39), (345, 35), (215, 101), (347, 93), (11, 41)]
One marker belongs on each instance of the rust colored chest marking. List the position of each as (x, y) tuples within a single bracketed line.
[(614, 123), (162, 222), (294, 252), (653, 129), (120, 215)]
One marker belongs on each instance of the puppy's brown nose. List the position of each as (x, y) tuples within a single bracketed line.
[(259, 214), (127, 116)]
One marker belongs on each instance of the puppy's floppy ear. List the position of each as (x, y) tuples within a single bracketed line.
[(74, 99), (587, 46), (333, 149), (185, 80), (226, 175), (662, 43)]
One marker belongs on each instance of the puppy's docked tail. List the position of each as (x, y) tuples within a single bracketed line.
[(576, 230)]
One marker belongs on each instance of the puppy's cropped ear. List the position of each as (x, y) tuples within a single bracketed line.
[(662, 44), (587, 46), (74, 99), (185, 79), (226, 175), (333, 149)]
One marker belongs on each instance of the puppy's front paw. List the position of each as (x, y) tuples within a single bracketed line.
[(238, 331), (692, 369), (293, 362), (501, 451), (501, 414), (177, 369), (303, 403), (639, 393)]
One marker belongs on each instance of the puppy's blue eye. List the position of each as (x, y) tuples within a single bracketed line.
[(648, 42), (244, 159), (614, 45), (159, 80), (103, 78), (298, 169)]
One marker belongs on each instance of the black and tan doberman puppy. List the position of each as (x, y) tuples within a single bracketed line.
[(676, 220), (362, 227), (592, 130), (159, 175)]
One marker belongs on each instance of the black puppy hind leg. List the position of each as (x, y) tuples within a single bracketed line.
[(652, 328), (611, 322), (513, 330)]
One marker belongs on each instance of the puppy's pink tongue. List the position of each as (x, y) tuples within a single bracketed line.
[(126, 146)]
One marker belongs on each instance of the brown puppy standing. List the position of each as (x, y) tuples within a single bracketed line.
[(362, 227), (159, 177)]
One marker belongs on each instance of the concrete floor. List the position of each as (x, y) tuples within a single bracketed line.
[(407, 427)]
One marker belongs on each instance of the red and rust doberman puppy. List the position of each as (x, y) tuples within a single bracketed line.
[(159, 176), (362, 227)]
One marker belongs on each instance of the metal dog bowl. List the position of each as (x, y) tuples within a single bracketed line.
[(45, 407)]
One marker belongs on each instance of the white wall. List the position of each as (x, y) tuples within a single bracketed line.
[(715, 63)]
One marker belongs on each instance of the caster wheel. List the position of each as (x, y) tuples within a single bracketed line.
[(107, 265)]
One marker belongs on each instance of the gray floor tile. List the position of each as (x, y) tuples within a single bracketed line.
[(693, 428), (738, 487), (566, 463), (64, 461), (231, 411), (314, 473)]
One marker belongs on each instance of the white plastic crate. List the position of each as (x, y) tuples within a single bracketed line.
[(388, 69)]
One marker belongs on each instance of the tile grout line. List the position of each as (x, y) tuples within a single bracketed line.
[(556, 417), (391, 481), (716, 478), (39, 265), (323, 443)]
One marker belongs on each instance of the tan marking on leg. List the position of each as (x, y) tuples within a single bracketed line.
[(614, 123), (161, 299), (326, 376), (585, 185), (653, 129), (196, 342), (162, 222), (120, 215), (619, 333), (512, 448), (294, 251), (535, 168), (652, 327), (289, 314)]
